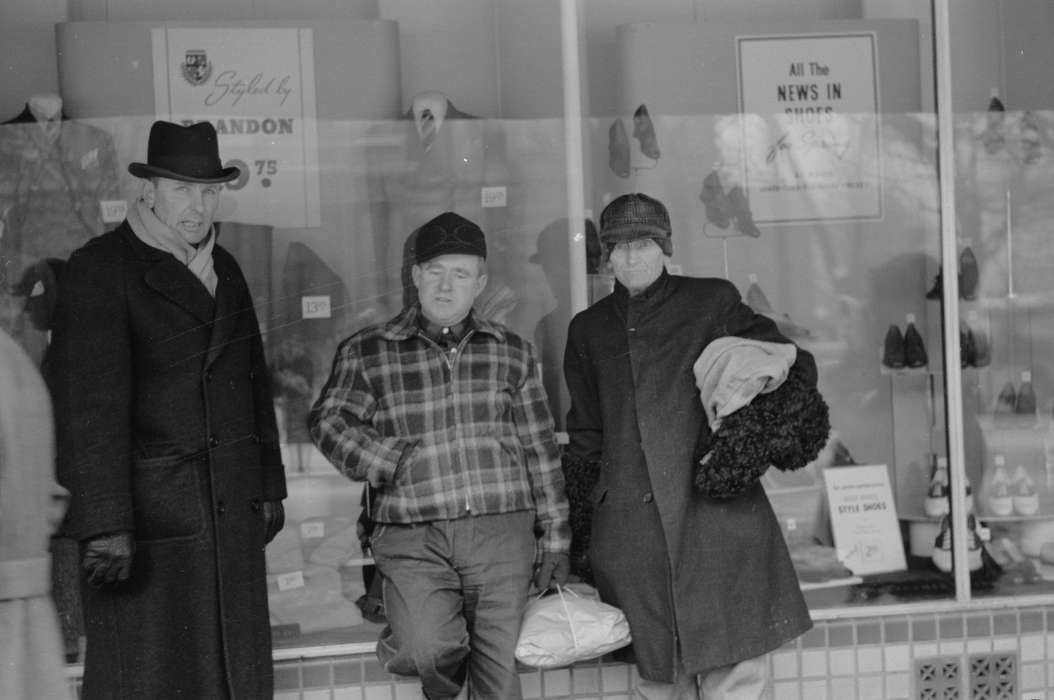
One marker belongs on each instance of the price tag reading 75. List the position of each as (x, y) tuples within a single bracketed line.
[(263, 169)]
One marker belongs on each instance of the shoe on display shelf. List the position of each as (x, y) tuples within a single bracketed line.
[(1025, 496), (999, 499), (893, 348), (936, 502), (914, 349)]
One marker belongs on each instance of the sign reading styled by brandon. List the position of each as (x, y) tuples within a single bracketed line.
[(257, 87), (810, 112)]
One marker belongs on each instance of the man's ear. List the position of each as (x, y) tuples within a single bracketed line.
[(481, 283), (148, 192), (415, 275)]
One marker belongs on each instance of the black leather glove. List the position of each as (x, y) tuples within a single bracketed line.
[(274, 518), (552, 571), (107, 559)]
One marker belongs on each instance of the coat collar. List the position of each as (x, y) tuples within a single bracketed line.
[(651, 297), (173, 280), (406, 325)]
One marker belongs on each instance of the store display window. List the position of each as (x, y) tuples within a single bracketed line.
[(899, 239)]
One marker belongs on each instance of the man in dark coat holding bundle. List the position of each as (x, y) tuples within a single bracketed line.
[(167, 441), (707, 585)]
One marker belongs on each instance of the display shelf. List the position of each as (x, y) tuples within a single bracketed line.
[(1030, 300)]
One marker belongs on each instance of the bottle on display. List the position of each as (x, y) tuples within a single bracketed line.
[(1026, 396), (1000, 501), (936, 503)]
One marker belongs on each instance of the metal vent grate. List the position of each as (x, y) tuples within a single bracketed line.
[(938, 678), (993, 677)]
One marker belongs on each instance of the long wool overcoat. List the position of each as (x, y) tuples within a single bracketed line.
[(165, 427), (702, 581)]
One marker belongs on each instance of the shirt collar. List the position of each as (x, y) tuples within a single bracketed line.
[(406, 325)]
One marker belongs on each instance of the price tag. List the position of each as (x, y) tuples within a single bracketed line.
[(496, 196), (313, 529), (291, 580), (315, 307), (113, 210), (792, 524)]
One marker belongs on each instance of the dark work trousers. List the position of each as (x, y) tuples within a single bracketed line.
[(454, 593)]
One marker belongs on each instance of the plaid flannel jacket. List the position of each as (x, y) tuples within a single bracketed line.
[(442, 435)]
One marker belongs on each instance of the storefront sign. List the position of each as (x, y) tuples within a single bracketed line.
[(864, 519), (810, 118), (257, 87)]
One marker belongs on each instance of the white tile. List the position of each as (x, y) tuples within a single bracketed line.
[(408, 691), (869, 660), (813, 663), (898, 686), (1033, 677), (843, 688), (870, 688), (843, 662), (378, 692), (785, 665), (925, 650), (614, 677), (786, 691), (897, 657), (1004, 644), (287, 696), (978, 645), (814, 690), (316, 695), (347, 693), (531, 684), (585, 679), (952, 648), (556, 682), (1032, 648)]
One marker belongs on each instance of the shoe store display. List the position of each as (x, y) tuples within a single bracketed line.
[(1025, 496), (893, 348), (982, 349), (992, 137), (718, 209), (968, 274), (974, 544), (937, 289), (936, 503), (999, 499), (618, 149), (644, 131), (756, 298), (967, 347), (1006, 401), (741, 211), (914, 349), (1025, 403), (942, 546)]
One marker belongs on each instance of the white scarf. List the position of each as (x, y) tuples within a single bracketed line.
[(157, 234)]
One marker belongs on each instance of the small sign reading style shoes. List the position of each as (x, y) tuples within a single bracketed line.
[(864, 519)]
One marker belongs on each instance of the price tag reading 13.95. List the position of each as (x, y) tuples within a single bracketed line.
[(262, 170)]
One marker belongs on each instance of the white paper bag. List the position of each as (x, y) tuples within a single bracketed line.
[(568, 626)]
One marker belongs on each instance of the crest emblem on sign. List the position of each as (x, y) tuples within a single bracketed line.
[(196, 67)]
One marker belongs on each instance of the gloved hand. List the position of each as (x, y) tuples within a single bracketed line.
[(107, 559), (274, 518), (552, 571)]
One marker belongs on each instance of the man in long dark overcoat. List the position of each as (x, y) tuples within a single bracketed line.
[(167, 442), (707, 585)]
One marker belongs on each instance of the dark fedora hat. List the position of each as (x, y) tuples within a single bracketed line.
[(188, 153)]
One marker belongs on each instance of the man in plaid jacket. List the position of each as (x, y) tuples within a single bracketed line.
[(443, 414)]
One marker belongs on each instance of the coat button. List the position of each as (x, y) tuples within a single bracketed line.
[(221, 508), (213, 441), (256, 438), (647, 497)]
